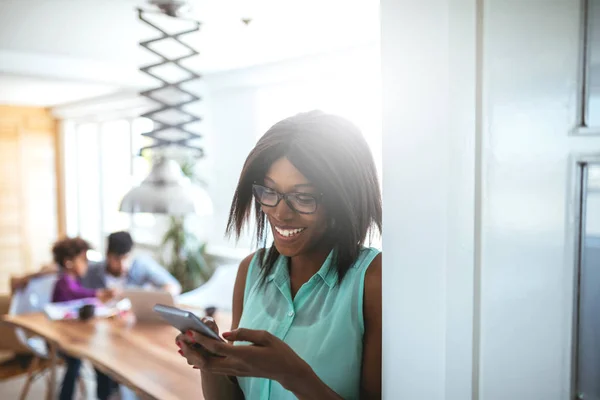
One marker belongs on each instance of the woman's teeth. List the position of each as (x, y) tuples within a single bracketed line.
[(289, 232)]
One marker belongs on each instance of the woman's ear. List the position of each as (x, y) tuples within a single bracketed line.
[(68, 264)]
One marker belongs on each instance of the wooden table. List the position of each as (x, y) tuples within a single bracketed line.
[(143, 357)]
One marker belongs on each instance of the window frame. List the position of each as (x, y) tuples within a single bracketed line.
[(583, 125)]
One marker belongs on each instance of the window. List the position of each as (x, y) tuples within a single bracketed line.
[(101, 165), (587, 328), (590, 102)]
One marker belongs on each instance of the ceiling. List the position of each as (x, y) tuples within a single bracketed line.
[(41, 92), (93, 44)]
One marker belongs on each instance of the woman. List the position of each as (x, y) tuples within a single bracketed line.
[(311, 304)]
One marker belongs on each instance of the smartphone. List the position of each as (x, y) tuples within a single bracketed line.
[(185, 321)]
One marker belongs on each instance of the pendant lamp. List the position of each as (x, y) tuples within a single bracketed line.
[(167, 190)]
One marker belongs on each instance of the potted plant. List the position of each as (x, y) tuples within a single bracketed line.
[(182, 253)]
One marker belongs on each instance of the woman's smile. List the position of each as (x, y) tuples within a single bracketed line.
[(287, 234)]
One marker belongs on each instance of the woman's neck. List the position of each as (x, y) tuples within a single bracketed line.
[(304, 266)]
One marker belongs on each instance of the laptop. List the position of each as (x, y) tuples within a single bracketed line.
[(143, 301)]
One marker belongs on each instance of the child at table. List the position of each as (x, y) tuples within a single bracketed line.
[(71, 256)]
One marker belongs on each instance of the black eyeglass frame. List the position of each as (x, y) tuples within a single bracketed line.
[(284, 196)]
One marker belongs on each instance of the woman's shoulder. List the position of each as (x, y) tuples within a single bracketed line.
[(253, 257), (372, 286), (371, 250), (245, 263), (373, 274), (248, 264), (244, 282), (367, 257)]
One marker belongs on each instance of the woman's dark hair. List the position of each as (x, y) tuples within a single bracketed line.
[(119, 243), (68, 249), (333, 155)]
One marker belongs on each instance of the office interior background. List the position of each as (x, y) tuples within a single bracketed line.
[(483, 117)]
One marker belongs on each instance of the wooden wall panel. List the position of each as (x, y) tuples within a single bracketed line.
[(28, 190)]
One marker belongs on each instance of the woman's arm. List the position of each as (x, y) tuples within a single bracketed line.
[(371, 364), (309, 386), (221, 386)]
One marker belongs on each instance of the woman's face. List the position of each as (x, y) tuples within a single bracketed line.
[(294, 233)]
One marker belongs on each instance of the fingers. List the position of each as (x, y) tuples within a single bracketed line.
[(212, 345), (181, 338), (210, 322), (207, 346), (199, 359), (192, 356), (261, 338)]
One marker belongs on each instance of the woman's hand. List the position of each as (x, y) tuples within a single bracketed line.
[(182, 340), (268, 357)]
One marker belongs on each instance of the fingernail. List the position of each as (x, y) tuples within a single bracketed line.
[(178, 344), (180, 352), (190, 334), (226, 335), (195, 367)]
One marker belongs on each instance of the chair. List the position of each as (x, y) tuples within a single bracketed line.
[(10, 343), (32, 299), (14, 356), (217, 292)]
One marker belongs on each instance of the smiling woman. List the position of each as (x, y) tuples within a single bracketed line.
[(311, 303)]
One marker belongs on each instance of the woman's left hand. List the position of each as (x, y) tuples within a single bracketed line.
[(267, 357)]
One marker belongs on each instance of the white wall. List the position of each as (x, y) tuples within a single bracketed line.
[(489, 184), (428, 64), (527, 268), (233, 135)]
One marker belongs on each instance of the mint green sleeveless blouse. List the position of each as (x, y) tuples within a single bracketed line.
[(323, 324)]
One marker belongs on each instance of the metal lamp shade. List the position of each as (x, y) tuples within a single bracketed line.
[(167, 191)]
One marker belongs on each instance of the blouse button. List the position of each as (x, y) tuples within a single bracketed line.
[(291, 314)]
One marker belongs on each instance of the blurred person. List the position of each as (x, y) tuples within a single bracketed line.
[(120, 269), (309, 305), (70, 255)]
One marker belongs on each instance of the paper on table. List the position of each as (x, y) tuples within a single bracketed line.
[(70, 309)]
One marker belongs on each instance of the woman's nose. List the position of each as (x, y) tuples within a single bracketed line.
[(283, 211)]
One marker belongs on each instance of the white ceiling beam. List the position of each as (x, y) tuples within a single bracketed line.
[(60, 67)]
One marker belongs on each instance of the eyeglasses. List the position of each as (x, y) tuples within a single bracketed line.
[(303, 203)]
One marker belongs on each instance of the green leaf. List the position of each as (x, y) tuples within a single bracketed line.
[(188, 264)]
